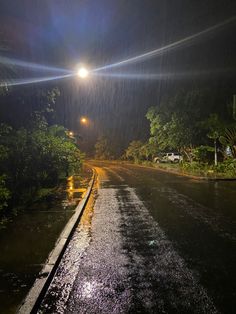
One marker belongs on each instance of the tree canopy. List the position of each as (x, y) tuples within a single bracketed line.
[(188, 120), (35, 157)]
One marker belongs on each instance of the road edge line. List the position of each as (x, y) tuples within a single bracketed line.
[(34, 297)]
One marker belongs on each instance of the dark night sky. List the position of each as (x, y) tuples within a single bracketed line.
[(98, 32)]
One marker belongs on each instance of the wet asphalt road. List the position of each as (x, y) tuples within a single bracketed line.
[(150, 242)]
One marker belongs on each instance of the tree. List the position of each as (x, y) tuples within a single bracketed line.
[(102, 148), (135, 151), (186, 121), (170, 132), (34, 158), (149, 150), (228, 139), (215, 128)]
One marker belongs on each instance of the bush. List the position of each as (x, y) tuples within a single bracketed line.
[(4, 193), (203, 153), (223, 169), (34, 158), (197, 167), (227, 168)]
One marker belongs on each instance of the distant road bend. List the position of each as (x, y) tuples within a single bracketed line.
[(149, 242)]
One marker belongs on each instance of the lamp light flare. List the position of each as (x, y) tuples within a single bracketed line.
[(32, 66), (163, 75), (15, 82), (170, 47), (83, 72), (83, 120)]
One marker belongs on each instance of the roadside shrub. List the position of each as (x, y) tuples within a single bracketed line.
[(203, 153), (34, 158), (227, 168), (4, 193), (134, 151), (196, 167), (224, 169)]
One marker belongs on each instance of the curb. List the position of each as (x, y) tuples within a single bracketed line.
[(42, 282)]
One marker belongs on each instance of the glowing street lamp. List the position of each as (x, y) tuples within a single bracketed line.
[(83, 120), (83, 72)]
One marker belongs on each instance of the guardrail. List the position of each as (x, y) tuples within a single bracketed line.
[(37, 292)]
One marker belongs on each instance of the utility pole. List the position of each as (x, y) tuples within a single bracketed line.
[(215, 146)]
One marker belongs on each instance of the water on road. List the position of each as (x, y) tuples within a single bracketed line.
[(28, 238), (150, 242)]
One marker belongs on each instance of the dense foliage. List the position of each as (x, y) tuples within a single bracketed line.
[(195, 124), (189, 120), (34, 157), (139, 151), (103, 148)]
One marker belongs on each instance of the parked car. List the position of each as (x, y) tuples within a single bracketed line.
[(169, 157)]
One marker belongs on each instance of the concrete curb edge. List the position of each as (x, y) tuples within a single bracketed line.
[(35, 295)]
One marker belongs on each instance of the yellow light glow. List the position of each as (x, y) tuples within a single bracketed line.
[(71, 133), (83, 72), (83, 120)]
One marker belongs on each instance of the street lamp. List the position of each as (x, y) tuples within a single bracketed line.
[(83, 120), (83, 72)]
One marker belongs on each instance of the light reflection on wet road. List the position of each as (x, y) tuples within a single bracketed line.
[(157, 243)]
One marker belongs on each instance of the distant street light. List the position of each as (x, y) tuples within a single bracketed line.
[(84, 120)]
